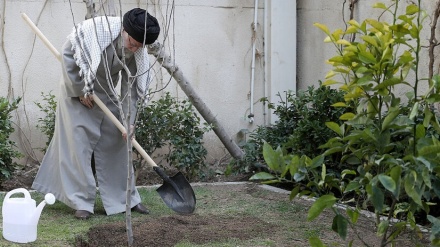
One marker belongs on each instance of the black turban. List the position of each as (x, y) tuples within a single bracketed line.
[(134, 25)]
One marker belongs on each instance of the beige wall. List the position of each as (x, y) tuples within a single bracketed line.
[(312, 51), (211, 42)]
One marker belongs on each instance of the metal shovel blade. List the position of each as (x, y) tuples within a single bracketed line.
[(178, 194)]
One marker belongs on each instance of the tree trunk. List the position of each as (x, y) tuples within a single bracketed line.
[(156, 49), (109, 10)]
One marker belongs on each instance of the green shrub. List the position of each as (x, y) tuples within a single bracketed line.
[(389, 145), (7, 147), (300, 127), (173, 124), (314, 108), (47, 123)]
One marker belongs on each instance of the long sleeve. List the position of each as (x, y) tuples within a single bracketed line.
[(74, 85)]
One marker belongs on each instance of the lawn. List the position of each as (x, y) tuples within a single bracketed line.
[(227, 214)]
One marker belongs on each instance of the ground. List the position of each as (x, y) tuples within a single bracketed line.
[(168, 231), (204, 229)]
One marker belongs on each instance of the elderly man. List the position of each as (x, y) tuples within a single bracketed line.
[(97, 52)]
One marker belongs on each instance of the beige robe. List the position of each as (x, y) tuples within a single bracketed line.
[(79, 131)]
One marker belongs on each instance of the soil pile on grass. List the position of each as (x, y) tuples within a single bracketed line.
[(168, 231)]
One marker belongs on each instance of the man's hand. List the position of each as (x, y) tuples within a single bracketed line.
[(86, 101), (124, 135)]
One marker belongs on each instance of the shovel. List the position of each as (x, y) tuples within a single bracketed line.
[(175, 191)]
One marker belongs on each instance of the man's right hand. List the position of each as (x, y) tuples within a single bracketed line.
[(87, 101)]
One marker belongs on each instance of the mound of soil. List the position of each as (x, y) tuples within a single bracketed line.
[(170, 230)]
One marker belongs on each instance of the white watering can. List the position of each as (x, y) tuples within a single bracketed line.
[(20, 216)]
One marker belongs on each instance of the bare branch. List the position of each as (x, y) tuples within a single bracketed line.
[(433, 41)]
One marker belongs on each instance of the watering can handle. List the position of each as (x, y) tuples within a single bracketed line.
[(27, 196)]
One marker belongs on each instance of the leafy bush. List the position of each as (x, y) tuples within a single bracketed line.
[(7, 147), (47, 123), (390, 147), (174, 124), (299, 129)]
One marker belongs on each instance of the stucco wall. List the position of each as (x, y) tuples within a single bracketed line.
[(210, 41), (313, 52)]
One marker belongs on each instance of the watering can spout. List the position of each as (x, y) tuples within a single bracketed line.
[(48, 199)]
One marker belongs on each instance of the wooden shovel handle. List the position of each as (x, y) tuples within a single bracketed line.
[(121, 127), (41, 36)]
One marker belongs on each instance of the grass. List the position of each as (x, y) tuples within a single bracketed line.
[(287, 220), (58, 227)]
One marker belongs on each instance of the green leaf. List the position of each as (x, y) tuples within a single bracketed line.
[(262, 176), (435, 228), (353, 185), (366, 57), (376, 24), (347, 172), (343, 42), (315, 242), (351, 30), (412, 9), (329, 82), (294, 192), (354, 23), (436, 82), (414, 111), (347, 116), (426, 175), (319, 205), (293, 165), (333, 150), (335, 127), (323, 172), (428, 150), (340, 104), (410, 187), (428, 116), (339, 226), (420, 131), (322, 27), (396, 173), (371, 40), (380, 6), (388, 83), (433, 98), (316, 162), (388, 183), (353, 214), (392, 114), (383, 226), (273, 158), (377, 198)]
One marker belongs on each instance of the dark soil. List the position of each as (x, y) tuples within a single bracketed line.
[(170, 230), (165, 231)]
